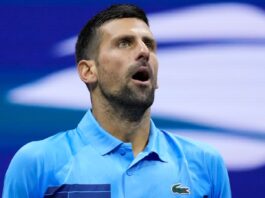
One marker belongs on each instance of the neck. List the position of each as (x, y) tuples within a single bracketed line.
[(125, 123)]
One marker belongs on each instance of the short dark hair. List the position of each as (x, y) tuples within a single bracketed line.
[(88, 39)]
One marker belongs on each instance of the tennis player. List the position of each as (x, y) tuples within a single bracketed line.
[(116, 150)]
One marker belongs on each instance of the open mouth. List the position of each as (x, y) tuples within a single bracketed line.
[(141, 75)]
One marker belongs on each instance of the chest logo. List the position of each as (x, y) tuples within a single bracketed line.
[(180, 189)]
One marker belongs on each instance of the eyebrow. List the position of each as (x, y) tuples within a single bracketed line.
[(144, 38), (123, 37)]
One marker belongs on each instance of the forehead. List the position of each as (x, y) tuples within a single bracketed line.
[(125, 26)]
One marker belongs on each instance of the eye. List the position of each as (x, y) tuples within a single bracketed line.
[(150, 44), (124, 43)]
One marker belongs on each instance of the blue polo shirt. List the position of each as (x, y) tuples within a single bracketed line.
[(89, 162)]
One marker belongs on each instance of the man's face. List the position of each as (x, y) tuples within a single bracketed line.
[(127, 63)]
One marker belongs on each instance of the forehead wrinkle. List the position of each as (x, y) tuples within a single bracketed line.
[(120, 26)]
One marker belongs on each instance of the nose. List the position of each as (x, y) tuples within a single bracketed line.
[(143, 51)]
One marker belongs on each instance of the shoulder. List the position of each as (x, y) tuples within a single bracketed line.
[(191, 148), (203, 160), (38, 149), (37, 156), (33, 162), (199, 155)]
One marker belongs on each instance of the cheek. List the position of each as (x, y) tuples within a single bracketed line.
[(111, 61), (109, 70), (154, 63)]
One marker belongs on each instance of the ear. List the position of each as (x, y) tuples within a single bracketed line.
[(87, 71)]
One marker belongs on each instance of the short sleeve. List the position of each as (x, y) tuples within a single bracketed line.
[(219, 176), (22, 176)]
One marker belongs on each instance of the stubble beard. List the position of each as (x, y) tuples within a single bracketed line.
[(130, 104)]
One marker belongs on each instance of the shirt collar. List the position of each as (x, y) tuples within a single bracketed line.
[(96, 136), (156, 143), (104, 143)]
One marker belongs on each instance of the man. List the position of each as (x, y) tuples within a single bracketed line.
[(116, 150)]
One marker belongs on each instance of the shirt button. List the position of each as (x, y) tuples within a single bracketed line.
[(122, 152), (129, 172)]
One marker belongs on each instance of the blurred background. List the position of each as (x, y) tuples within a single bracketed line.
[(211, 76)]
